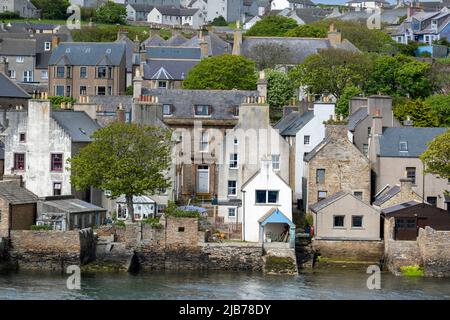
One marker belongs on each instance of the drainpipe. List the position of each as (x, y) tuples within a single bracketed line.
[(243, 215)]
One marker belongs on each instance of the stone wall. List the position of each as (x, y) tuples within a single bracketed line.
[(434, 247), (354, 250), (51, 250), (401, 254)]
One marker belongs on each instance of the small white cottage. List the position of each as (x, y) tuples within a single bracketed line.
[(144, 207), (267, 207)]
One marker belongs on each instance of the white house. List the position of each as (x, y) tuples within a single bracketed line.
[(176, 16), (251, 22), (138, 12), (267, 207), (371, 4), (292, 4), (304, 131), (144, 207)]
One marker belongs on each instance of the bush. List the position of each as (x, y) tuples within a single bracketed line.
[(111, 13), (41, 228), (412, 271), (10, 15), (219, 22), (272, 26), (119, 224), (309, 220), (57, 100), (153, 222), (172, 210)]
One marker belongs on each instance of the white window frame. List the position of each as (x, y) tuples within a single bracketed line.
[(204, 141), (233, 209), (44, 74), (309, 140), (234, 161), (232, 194), (28, 76), (276, 162), (13, 74), (20, 59), (47, 46)]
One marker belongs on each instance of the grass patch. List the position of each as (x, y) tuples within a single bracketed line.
[(412, 271)]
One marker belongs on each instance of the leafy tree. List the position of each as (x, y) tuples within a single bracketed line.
[(269, 55), (128, 159), (307, 31), (420, 113), (279, 90), (129, 91), (111, 13), (437, 157), (332, 70), (440, 104), (57, 100), (440, 75), (223, 72), (408, 49), (413, 79), (52, 9), (219, 22), (342, 105), (272, 26)]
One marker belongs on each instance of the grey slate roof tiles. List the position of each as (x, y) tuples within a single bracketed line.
[(386, 195), (356, 117), (293, 122), (15, 194), (89, 54), (78, 125), (416, 138), (327, 201), (9, 89)]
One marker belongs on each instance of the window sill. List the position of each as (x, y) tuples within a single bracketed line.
[(268, 204), (340, 228)]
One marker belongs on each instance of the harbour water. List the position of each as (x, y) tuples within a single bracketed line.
[(320, 284)]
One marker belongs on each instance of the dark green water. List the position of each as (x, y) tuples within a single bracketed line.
[(321, 284)]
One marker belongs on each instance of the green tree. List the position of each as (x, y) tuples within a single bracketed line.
[(440, 75), (437, 157), (342, 105), (413, 79), (307, 31), (219, 22), (332, 70), (223, 72), (272, 26), (52, 9), (128, 159), (440, 104), (420, 113), (279, 90), (111, 13)]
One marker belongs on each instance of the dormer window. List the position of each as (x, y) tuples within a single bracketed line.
[(403, 146), (167, 109), (203, 110), (47, 46)]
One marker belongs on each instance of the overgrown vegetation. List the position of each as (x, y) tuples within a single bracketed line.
[(412, 271), (56, 101), (172, 210), (119, 224), (153, 222), (41, 228), (219, 22)]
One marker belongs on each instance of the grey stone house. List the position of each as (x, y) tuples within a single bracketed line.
[(336, 165), (24, 8), (394, 155), (138, 12)]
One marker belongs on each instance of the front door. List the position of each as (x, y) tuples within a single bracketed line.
[(203, 179)]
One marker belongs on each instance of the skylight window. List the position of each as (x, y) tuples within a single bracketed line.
[(403, 146)]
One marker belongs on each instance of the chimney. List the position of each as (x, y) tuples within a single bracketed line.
[(237, 40), (382, 105), (336, 131), (137, 84), (204, 47), (406, 185), (4, 66), (137, 45), (262, 84), (147, 110), (154, 30), (55, 41), (254, 113), (408, 122), (377, 124), (334, 36), (84, 105), (122, 32), (356, 103), (13, 178), (120, 113)]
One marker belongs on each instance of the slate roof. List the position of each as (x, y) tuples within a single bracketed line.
[(356, 117), (298, 48), (293, 122), (72, 205), (32, 87), (417, 139), (17, 47), (78, 125), (9, 89), (216, 45), (129, 47), (316, 207), (168, 69), (154, 40), (187, 53), (176, 40), (400, 207), (15, 194), (386, 195), (146, 8), (171, 11), (89, 54), (309, 15), (314, 151), (389, 16)]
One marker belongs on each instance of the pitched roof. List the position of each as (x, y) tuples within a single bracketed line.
[(297, 49), (71, 205), (13, 193), (316, 207), (400, 207), (89, 53), (17, 47), (9, 89), (172, 11), (176, 40), (186, 53), (129, 45), (216, 45), (314, 151), (386, 195), (416, 138), (293, 122), (309, 15), (146, 8), (78, 125), (168, 69), (154, 40), (356, 117), (275, 215)]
